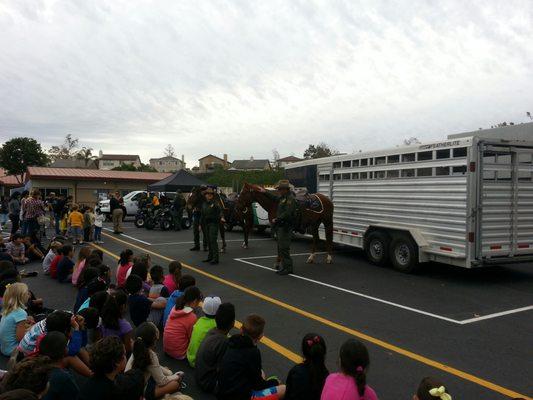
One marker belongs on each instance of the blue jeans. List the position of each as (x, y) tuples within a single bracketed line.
[(97, 233), (57, 219), (3, 219)]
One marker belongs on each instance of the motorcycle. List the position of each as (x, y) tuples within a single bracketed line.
[(140, 218)]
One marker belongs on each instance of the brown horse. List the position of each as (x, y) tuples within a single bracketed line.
[(195, 201), (310, 219)]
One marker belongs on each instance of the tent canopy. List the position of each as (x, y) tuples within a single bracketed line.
[(182, 180)]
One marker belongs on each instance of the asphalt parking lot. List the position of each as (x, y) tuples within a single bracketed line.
[(470, 328)]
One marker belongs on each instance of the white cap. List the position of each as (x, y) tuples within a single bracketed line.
[(211, 305)]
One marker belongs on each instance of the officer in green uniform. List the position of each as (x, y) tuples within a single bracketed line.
[(197, 224), (211, 218), (284, 224), (177, 209)]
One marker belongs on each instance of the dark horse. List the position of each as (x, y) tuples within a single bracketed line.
[(310, 217), (196, 199)]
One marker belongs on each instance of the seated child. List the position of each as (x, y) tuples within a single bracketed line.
[(178, 329), (241, 375), (213, 347), (52, 253), (108, 360), (350, 384), (113, 321), (80, 264), (125, 263), (140, 306), (184, 282), (17, 250), (15, 321), (34, 250), (158, 294), (431, 389), (306, 380), (202, 326), (158, 379), (30, 374), (62, 385), (55, 261), (65, 266), (173, 277)]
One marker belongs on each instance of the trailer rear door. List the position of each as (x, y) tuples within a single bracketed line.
[(506, 201)]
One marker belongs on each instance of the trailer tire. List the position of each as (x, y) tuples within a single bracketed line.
[(377, 245), (404, 254)]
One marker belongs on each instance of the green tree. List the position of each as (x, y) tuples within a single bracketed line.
[(17, 154), (66, 150), (131, 167), (319, 151), (146, 168)]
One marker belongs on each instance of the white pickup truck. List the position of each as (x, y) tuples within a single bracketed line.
[(130, 202)]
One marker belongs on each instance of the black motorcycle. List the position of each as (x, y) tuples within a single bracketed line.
[(140, 218)]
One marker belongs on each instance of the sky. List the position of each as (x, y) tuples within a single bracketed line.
[(246, 77)]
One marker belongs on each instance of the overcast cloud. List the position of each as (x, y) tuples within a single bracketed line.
[(245, 77)]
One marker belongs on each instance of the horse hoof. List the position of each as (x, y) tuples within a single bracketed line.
[(329, 260), (310, 260), (244, 246)]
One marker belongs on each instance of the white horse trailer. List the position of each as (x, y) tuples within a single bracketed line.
[(466, 202)]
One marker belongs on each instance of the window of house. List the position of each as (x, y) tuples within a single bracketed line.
[(379, 175), (337, 177), (355, 163), (442, 171), (408, 157), (408, 173), (363, 175), (346, 176), (393, 159), (460, 170), (425, 156), (336, 164), (381, 160), (346, 164), (364, 162), (355, 175), (393, 173), (424, 172), (459, 152), (441, 154)]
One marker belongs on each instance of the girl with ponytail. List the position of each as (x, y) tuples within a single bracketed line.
[(178, 329), (125, 263), (350, 384), (113, 321), (158, 380), (306, 380)]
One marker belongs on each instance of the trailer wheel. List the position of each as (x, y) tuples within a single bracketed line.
[(404, 254), (377, 247)]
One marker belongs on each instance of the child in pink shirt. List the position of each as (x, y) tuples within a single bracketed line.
[(178, 329), (173, 277), (124, 265), (350, 384)]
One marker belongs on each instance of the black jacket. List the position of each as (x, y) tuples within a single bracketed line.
[(240, 372)]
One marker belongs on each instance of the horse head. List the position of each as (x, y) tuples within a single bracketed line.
[(195, 198)]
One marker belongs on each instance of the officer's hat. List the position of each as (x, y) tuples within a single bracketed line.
[(209, 190), (283, 184)]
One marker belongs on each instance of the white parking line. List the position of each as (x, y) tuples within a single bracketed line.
[(220, 241), (383, 301), (129, 237)]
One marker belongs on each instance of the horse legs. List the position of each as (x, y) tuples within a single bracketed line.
[(316, 239), (329, 241), (246, 230), (223, 237)]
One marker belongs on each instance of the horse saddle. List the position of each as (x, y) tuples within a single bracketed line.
[(308, 201)]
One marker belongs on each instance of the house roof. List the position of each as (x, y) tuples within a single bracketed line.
[(290, 158), (8, 180), (120, 157), (166, 158), (93, 174), (250, 164), (74, 163), (211, 155)]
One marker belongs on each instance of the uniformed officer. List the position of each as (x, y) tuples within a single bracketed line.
[(284, 224), (211, 217), (197, 224), (177, 209)]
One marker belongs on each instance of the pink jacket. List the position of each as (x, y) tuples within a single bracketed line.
[(78, 269), (342, 387), (178, 331)]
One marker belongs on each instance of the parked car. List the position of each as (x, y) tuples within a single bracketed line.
[(130, 202)]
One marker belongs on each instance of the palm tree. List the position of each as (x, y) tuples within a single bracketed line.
[(86, 154)]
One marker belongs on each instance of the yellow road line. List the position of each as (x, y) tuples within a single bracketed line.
[(378, 342), (278, 348)]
